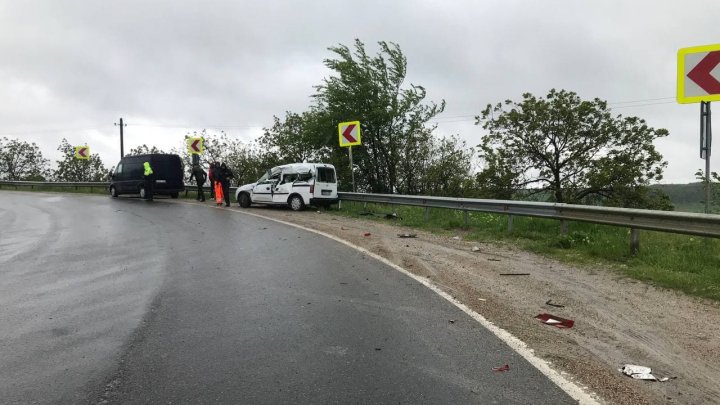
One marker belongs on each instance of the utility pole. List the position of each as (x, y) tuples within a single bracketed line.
[(121, 125)]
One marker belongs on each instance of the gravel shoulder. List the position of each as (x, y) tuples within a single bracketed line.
[(617, 320)]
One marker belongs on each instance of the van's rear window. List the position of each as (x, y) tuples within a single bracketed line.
[(325, 175)]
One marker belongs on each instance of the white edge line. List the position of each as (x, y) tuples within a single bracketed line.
[(570, 388)]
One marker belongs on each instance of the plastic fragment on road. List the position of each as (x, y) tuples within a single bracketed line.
[(640, 373), (552, 304), (407, 235), (502, 369), (366, 234), (475, 249), (456, 238), (555, 321), (493, 260), (451, 321)]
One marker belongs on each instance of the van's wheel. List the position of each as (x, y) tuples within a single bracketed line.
[(142, 192), (174, 195), (113, 192), (244, 200), (296, 203)]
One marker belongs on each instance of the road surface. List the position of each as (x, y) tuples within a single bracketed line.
[(126, 301)]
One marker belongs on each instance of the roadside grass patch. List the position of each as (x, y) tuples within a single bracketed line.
[(686, 263)]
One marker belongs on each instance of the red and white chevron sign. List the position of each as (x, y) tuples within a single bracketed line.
[(698, 74), (349, 133), (82, 152)]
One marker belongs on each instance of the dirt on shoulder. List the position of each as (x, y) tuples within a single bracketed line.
[(618, 320)]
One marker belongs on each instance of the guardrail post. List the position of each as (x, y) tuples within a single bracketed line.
[(510, 223), (563, 227), (634, 241), (427, 214), (466, 217)]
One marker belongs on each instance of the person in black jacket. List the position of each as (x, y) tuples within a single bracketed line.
[(224, 175), (200, 176)]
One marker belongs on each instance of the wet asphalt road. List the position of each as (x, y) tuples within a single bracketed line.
[(125, 301)]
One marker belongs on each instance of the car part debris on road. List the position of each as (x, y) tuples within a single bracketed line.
[(407, 235), (552, 304), (502, 369), (640, 373), (555, 321)]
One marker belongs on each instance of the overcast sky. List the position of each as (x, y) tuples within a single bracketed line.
[(73, 68)]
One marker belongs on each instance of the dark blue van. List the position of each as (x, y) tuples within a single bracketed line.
[(128, 176)]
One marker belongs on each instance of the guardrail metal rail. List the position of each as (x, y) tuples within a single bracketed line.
[(707, 225), (663, 221)]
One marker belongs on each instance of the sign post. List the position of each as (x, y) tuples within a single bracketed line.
[(349, 135), (698, 80)]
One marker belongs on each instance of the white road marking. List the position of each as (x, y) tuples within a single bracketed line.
[(520, 347)]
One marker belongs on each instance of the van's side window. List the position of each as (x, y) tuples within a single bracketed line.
[(325, 175), (118, 168), (289, 178)]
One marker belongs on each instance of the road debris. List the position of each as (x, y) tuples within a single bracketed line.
[(640, 373), (493, 260), (502, 369), (407, 235), (555, 321), (366, 234), (342, 228), (392, 216), (451, 321), (552, 304), (475, 249), (514, 274), (455, 238)]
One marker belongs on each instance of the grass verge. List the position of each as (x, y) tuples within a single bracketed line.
[(685, 263)]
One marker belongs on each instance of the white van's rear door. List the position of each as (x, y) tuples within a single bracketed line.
[(325, 183)]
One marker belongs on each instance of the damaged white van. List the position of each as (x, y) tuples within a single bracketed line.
[(295, 184)]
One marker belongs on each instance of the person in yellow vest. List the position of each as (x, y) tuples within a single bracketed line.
[(149, 181)]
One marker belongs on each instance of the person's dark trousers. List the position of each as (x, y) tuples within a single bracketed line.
[(226, 192), (212, 188), (149, 187), (200, 193)]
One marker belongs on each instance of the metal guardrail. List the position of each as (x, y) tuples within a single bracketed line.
[(663, 221), (39, 184)]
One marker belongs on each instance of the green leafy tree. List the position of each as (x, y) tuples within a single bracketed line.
[(144, 150), (22, 161), (295, 139), (714, 188), (71, 169), (572, 149), (394, 118), (447, 172)]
